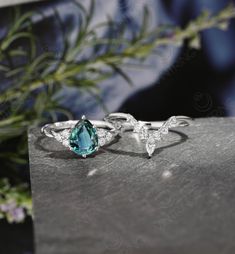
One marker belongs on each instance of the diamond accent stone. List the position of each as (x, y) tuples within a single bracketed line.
[(141, 129), (173, 121), (144, 133), (130, 119), (157, 136), (62, 137), (138, 126), (101, 133), (164, 130), (117, 125), (104, 136), (150, 145)]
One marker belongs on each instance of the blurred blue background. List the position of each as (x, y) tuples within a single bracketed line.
[(176, 80)]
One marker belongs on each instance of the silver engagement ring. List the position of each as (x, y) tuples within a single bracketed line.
[(83, 137)]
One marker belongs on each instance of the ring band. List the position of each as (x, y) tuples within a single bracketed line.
[(131, 122), (123, 122)]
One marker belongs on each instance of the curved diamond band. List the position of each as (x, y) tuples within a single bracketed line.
[(123, 122), (83, 137)]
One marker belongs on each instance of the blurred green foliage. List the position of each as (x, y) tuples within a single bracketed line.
[(33, 79)]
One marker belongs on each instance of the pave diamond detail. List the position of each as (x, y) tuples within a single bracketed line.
[(141, 129), (157, 136), (104, 136), (164, 130), (63, 137)]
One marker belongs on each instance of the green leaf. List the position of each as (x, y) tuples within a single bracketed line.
[(4, 68), (20, 20), (17, 53), (90, 13), (195, 42), (224, 25), (6, 43), (122, 73), (145, 22)]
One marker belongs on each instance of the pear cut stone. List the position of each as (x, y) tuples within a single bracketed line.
[(83, 139)]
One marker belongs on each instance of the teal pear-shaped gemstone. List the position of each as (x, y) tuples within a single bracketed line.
[(83, 139)]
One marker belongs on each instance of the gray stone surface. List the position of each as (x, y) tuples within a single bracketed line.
[(179, 202)]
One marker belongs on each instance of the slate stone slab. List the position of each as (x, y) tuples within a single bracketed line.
[(119, 202)]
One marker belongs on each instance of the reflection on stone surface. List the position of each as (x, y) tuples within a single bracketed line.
[(166, 174)]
